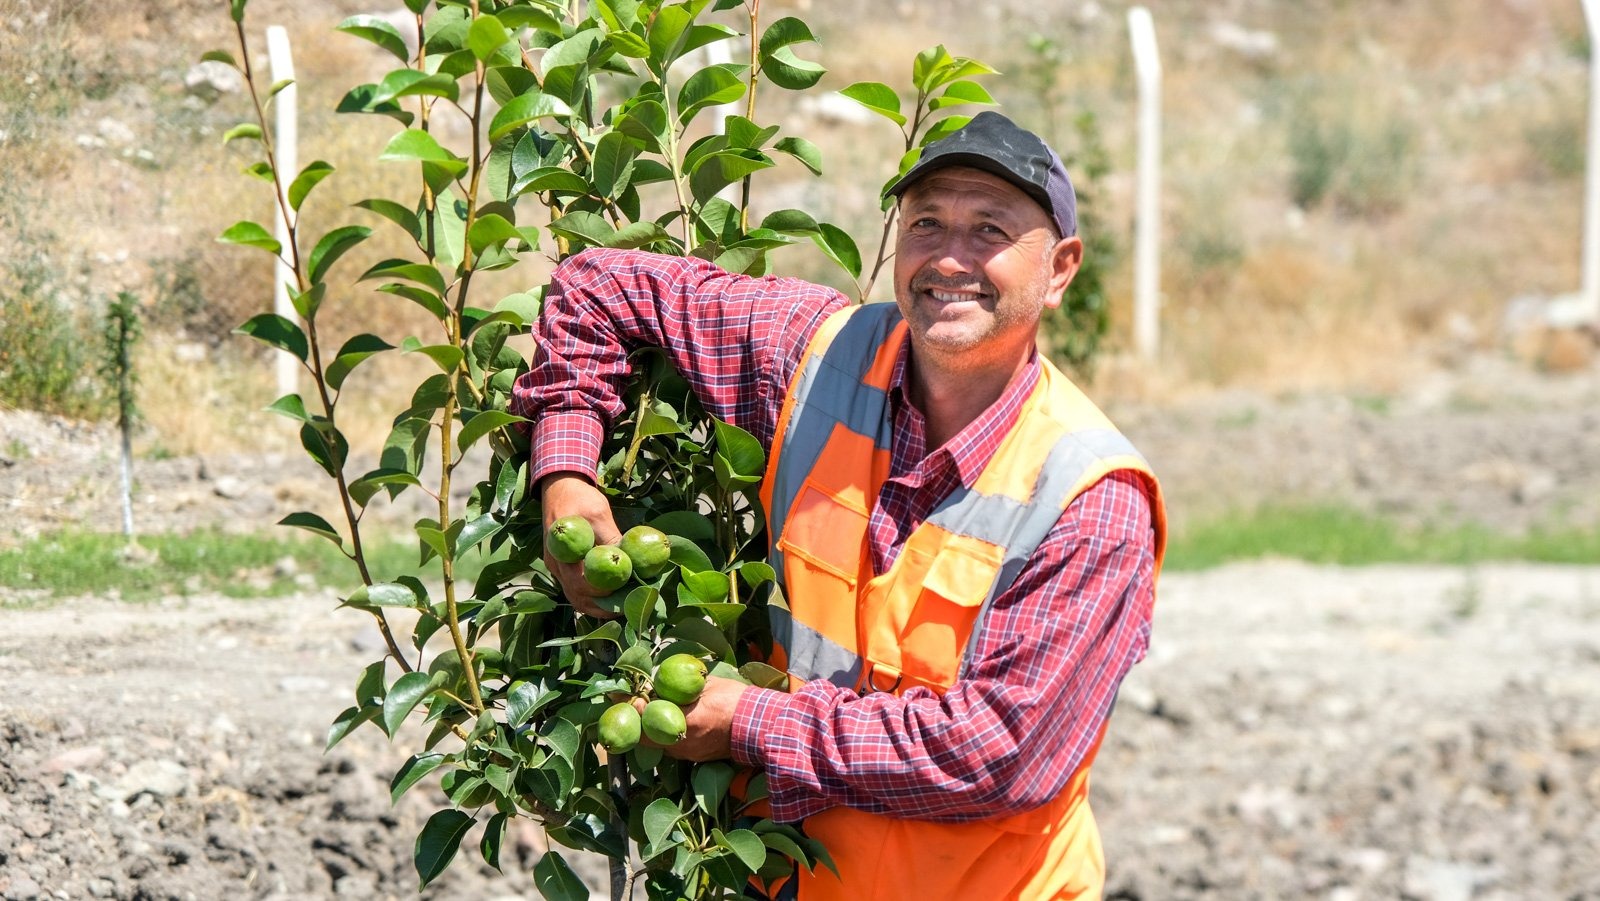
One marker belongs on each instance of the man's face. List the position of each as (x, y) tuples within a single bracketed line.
[(976, 262)]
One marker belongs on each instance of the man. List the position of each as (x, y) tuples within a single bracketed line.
[(966, 546)]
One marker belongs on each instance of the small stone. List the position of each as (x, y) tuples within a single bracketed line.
[(158, 778), (102, 888), (75, 759), (230, 488), (211, 79), (22, 888), (37, 827)]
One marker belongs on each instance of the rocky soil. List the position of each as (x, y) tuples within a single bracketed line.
[(1429, 733)]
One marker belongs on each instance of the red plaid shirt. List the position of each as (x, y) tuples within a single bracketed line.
[(1048, 657)]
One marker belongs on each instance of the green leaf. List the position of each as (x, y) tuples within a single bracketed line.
[(526, 699), (494, 836), (638, 234), (259, 170), (486, 36), (411, 83), (757, 573), (250, 234), (742, 132), (292, 406), (369, 688), (524, 109), (703, 633), (378, 31), (708, 587), (270, 328), (474, 532), (314, 524), (556, 881), (352, 354), (583, 227), (646, 122), (660, 818), (412, 771), (403, 697), (747, 845), (347, 721), (878, 97), (927, 63), (786, 846), (333, 246), (962, 92), (447, 357), (419, 146), (778, 60), (610, 630), (236, 9), (804, 151), (711, 86), (688, 555), (641, 607), (308, 302), (790, 222), (437, 843), (407, 444), (362, 489), (741, 449), (522, 304), (758, 673), (420, 273), (839, 247), (711, 781), (242, 130), (612, 168), (384, 594), (491, 228), (394, 212), (325, 445), (942, 129), (219, 56), (482, 424)]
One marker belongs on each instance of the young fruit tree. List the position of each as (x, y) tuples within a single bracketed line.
[(585, 125)]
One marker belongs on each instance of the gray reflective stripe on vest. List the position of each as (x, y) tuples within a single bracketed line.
[(829, 392), (1021, 528), (813, 655)]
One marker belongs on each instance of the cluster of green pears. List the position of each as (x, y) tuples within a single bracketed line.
[(643, 554)]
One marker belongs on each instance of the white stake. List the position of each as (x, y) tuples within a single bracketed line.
[(1589, 302), (284, 139), (1147, 210)]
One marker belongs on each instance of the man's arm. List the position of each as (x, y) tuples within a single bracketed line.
[(736, 339), (1048, 660)]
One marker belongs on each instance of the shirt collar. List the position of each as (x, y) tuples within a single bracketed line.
[(971, 449)]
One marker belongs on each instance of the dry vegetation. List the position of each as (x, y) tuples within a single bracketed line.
[(1354, 191)]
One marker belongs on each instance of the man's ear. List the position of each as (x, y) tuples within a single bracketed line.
[(1065, 258)]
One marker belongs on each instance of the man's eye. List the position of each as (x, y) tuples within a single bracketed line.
[(925, 222)]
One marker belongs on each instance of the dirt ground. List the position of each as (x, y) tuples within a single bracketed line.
[(1418, 732)]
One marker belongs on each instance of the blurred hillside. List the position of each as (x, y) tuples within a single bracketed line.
[(1355, 192)]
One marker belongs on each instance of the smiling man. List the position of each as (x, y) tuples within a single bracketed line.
[(967, 546)]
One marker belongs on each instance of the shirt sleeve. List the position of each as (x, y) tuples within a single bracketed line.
[(1047, 663), (736, 339)]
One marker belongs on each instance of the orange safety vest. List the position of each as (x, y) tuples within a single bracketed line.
[(909, 626)]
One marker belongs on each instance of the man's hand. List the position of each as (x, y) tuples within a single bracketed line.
[(566, 494), (710, 722)]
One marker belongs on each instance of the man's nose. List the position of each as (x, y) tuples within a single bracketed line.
[(954, 255)]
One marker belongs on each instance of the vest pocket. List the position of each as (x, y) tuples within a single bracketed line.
[(938, 628), (825, 532)]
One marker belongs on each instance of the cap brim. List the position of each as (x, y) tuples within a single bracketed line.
[(927, 166)]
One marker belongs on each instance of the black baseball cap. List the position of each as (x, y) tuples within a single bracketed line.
[(996, 145)]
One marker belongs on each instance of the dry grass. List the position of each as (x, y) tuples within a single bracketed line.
[(1451, 154)]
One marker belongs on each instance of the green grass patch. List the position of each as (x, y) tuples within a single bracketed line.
[(71, 564), (1339, 535)]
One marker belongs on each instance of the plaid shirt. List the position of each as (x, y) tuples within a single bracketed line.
[(1048, 657)]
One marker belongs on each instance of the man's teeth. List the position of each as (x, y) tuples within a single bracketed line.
[(951, 296)]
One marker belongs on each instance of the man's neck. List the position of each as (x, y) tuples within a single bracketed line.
[(951, 399)]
